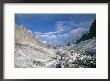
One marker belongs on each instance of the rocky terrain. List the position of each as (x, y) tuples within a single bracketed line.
[(29, 52), (81, 55), (32, 53)]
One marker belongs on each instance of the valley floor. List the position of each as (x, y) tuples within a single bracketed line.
[(82, 55)]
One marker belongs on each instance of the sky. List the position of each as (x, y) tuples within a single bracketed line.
[(47, 22), (54, 28)]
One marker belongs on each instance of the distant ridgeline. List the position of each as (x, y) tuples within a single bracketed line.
[(90, 34)]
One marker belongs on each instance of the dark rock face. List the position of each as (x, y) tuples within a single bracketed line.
[(90, 34)]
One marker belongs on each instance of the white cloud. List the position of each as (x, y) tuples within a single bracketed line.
[(51, 33), (38, 33), (60, 26), (64, 25)]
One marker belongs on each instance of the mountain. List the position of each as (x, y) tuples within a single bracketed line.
[(29, 51), (90, 34), (75, 34), (61, 38), (24, 36)]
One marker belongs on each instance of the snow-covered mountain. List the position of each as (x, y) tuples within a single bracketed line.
[(61, 38)]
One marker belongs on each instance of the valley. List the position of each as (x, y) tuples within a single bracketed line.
[(31, 52)]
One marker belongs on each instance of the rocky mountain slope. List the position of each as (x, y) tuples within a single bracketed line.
[(29, 52), (90, 34)]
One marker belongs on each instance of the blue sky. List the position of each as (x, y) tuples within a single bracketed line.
[(53, 22), (56, 28)]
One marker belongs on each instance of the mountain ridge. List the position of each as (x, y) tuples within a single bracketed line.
[(29, 52)]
